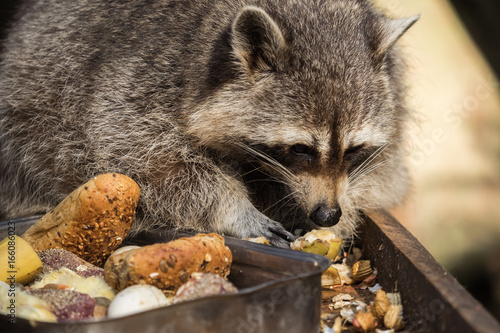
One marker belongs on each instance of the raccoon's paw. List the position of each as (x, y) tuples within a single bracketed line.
[(248, 222), (276, 234), (273, 231)]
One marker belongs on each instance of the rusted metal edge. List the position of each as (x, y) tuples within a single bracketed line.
[(433, 300)]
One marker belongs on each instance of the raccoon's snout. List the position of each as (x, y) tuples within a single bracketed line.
[(325, 216)]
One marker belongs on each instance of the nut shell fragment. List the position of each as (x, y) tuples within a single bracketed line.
[(381, 304), (394, 317), (345, 273), (365, 320), (361, 270), (395, 298)]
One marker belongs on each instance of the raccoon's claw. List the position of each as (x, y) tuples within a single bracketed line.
[(248, 222), (283, 234), (280, 237)]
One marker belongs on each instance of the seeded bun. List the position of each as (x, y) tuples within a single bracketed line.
[(92, 221), (167, 266)]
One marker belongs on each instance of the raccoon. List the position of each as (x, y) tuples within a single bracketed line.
[(243, 117)]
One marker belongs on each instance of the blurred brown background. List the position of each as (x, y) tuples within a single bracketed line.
[(454, 211)]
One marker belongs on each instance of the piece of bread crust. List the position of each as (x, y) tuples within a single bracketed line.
[(169, 265), (92, 221)]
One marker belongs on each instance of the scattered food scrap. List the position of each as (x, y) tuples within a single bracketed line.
[(352, 300)]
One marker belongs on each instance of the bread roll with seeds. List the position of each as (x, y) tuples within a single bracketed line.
[(168, 265), (92, 221)]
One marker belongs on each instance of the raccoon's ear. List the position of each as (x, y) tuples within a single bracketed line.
[(257, 41), (391, 30)]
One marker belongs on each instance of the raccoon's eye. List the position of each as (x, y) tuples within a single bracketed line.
[(353, 150), (301, 149), (357, 155), (354, 156)]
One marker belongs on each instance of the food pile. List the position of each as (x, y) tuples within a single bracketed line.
[(69, 267), (352, 301)]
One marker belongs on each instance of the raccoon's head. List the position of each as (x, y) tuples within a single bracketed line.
[(311, 111)]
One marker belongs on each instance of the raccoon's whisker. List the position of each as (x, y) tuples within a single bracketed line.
[(253, 170), (361, 187), (372, 168), (363, 165), (366, 188), (284, 201), (290, 212), (274, 164), (273, 180), (374, 155), (270, 178), (287, 197), (367, 170), (269, 161)]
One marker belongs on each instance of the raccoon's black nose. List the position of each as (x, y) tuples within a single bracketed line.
[(326, 217)]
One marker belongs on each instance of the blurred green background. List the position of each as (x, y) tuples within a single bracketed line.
[(454, 210)]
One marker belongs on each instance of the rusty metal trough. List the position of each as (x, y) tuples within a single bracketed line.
[(433, 300)]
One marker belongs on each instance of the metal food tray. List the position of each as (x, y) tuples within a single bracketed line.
[(279, 291)]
